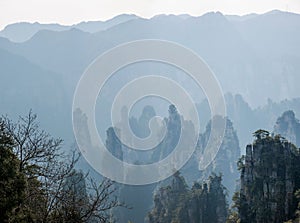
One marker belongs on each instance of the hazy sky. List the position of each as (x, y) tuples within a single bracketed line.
[(74, 11)]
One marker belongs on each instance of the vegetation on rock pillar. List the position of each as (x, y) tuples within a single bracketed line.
[(202, 203), (270, 175)]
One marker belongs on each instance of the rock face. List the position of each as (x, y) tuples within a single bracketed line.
[(269, 178), (289, 127), (201, 204), (171, 139), (113, 143), (140, 126), (140, 197), (226, 158)]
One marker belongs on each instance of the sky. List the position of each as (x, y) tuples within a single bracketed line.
[(74, 11)]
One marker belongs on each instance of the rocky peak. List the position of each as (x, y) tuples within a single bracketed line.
[(269, 178), (204, 202), (289, 127), (226, 158)]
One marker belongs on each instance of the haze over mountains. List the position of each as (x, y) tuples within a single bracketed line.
[(255, 56), (23, 31)]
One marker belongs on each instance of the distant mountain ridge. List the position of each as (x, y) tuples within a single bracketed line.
[(257, 58), (26, 86), (254, 52), (23, 31)]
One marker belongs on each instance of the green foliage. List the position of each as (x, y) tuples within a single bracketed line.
[(202, 203), (269, 177), (39, 183), (241, 163), (261, 134), (12, 182), (233, 217), (296, 219)]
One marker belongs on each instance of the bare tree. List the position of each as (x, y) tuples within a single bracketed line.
[(48, 170)]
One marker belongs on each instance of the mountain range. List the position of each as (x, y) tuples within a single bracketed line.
[(255, 56)]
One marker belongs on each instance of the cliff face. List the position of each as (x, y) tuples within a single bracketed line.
[(289, 127), (201, 204), (166, 200), (269, 178), (226, 158), (172, 136)]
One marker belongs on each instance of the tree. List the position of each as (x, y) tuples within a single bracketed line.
[(269, 177), (47, 171), (297, 213), (86, 202), (261, 134), (12, 182), (233, 215), (176, 203), (42, 162)]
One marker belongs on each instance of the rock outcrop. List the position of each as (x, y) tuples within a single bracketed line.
[(201, 204), (289, 127), (270, 175), (226, 158)]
